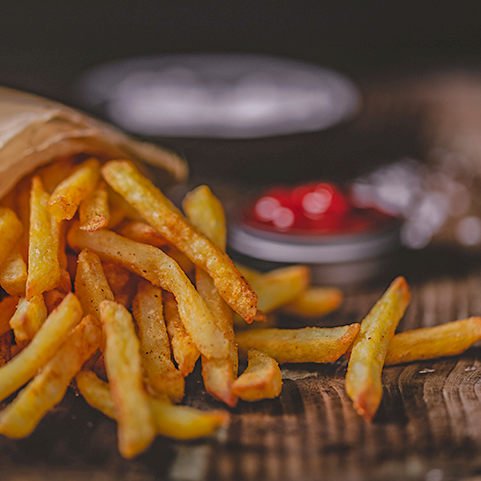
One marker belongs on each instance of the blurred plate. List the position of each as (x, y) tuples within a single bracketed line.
[(218, 96)]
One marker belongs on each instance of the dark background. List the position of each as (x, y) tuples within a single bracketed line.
[(45, 46)]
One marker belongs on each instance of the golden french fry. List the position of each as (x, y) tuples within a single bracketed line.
[(139, 231), (162, 377), (43, 347), (96, 392), (10, 232), (94, 209), (205, 212), (249, 273), (22, 209), (8, 306), (315, 302), (91, 286), (280, 286), (48, 388), (185, 422), (447, 339), (54, 173), (44, 270), (13, 273), (162, 271), (309, 344), (363, 377), (220, 372), (181, 422), (136, 428), (124, 178), (262, 378), (65, 282), (146, 234), (67, 196), (184, 350), (28, 318)]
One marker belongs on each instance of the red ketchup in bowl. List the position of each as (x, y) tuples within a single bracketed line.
[(313, 209), (316, 224)]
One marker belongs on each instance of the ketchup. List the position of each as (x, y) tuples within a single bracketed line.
[(318, 208)]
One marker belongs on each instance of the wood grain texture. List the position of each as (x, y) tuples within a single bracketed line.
[(428, 426)]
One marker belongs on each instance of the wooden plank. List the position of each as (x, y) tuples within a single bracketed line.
[(427, 427)]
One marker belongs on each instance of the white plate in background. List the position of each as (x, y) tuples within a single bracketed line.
[(218, 95)]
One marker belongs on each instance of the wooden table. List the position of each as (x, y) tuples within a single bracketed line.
[(427, 428)]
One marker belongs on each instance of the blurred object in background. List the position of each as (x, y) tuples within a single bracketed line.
[(218, 96), (439, 196), (428, 199)]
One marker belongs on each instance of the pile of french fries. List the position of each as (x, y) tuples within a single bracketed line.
[(112, 290)]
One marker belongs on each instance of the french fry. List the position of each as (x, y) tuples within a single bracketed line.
[(184, 350), (220, 372), (13, 273), (447, 339), (139, 231), (162, 271), (28, 318), (94, 209), (280, 286), (146, 234), (315, 302), (10, 232), (136, 428), (91, 286), (181, 422), (44, 271), (67, 196), (22, 209), (262, 378), (124, 178), (162, 377), (48, 388), (65, 282), (309, 344), (96, 392), (363, 377), (8, 306), (249, 273), (54, 173), (185, 422), (206, 213), (43, 347)]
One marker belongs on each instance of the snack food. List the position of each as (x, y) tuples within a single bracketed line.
[(369, 349), (139, 292)]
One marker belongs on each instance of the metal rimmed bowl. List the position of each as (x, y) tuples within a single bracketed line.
[(344, 260)]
